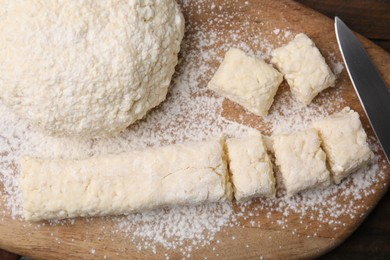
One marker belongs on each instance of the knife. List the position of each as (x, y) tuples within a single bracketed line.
[(370, 87)]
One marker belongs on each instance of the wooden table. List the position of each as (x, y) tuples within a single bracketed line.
[(371, 18)]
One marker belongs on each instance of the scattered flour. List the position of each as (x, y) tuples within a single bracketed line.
[(174, 228), (192, 112)]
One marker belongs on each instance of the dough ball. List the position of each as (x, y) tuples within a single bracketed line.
[(87, 68)]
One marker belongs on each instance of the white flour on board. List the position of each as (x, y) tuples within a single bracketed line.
[(191, 112)]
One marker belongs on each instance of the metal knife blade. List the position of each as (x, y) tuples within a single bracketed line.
[(370, 87)]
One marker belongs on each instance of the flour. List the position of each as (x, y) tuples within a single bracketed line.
[(191, 112)]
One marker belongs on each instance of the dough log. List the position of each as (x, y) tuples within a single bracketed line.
[(181, 174)]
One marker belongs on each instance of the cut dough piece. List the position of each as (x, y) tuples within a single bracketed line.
[(119, 184), (248, 81), (304, 68), (251, 168), (345, 143), (301, 160)]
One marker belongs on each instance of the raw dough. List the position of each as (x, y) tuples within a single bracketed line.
[(248, 81), (119, 184), (301, 160), (304, 68), (87, 68), (345, 143), (250, 167)]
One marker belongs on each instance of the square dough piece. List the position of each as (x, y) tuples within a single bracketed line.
[(248, 81), (304, 68), (345, 143), (251, 168), (301, 160)]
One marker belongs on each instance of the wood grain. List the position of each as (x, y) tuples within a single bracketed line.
[(371, 239), (24, 238), (367, 17), (370, 18)]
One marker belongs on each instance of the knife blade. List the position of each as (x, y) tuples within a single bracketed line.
[(369, 85)]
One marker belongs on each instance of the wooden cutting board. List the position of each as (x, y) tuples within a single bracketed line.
[(293, 241)]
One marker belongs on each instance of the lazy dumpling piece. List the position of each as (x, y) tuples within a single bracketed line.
[(250, 167), (248, 81), (301, 160), (304, 68), (345, 143)]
